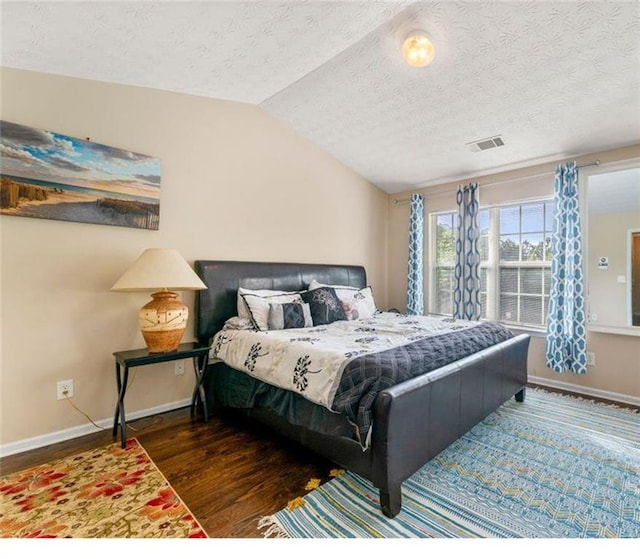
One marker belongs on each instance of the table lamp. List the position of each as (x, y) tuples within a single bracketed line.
[(163, 320)]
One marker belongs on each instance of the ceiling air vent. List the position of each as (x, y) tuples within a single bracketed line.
[(486, 143)]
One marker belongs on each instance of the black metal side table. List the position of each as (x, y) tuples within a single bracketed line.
[(137, 357)]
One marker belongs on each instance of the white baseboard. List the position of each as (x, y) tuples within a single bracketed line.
[(80, 430), (585, 391)]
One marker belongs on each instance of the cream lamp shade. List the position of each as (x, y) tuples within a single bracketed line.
[(163, 320)]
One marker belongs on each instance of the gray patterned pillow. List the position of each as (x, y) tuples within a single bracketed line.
[(289, 315)]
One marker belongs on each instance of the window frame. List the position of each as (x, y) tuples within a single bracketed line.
[(493, 264)]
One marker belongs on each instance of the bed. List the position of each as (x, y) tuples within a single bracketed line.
[(408, 422)]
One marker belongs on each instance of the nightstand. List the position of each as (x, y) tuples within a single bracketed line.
[(126, 360)]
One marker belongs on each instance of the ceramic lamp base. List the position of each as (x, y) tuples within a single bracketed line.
[(163, 321)]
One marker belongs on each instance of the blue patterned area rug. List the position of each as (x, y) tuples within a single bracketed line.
[(551, 467)]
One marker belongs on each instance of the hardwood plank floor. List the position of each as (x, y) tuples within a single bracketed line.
[(229, 472)]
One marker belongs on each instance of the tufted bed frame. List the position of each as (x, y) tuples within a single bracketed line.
[(413, 421)]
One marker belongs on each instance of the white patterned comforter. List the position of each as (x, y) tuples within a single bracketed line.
[(310, 361)]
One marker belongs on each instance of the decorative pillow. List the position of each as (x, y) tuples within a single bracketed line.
[(325, 305), (350, 310), (243, 310), (363, 302), (357, 303), (289, 315), (259, 306)]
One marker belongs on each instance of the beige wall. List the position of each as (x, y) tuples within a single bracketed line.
[(617, 357), (236, 185), (608, 236)]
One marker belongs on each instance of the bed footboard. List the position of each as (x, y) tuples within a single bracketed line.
[(417, 419)]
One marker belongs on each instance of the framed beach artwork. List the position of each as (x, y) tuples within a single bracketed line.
[(52, 176)]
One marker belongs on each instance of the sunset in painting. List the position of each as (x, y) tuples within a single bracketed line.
[(52, 176)]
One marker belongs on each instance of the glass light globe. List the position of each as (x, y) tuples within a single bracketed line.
[(418, 50)]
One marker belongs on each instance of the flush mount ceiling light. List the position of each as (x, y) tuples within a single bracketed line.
[(418, 50)]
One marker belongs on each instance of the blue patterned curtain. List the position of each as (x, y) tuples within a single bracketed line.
[(566, 324), (415, 298), (466, 294)]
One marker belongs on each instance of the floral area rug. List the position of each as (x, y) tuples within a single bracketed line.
[(108, 492), (550, 467)]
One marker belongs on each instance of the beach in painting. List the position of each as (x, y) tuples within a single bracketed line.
[(41, 199), (53, 176)]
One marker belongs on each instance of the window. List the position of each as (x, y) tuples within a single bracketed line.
[(515, 268), (445, 260)]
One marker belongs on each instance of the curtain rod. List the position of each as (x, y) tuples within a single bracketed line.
[(594, 164)]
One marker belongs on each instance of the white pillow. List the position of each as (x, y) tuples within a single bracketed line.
[(243, 310), (259, 306), (342, 291), (356, 302)]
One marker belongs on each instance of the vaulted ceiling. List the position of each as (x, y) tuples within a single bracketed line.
[(554, 79)]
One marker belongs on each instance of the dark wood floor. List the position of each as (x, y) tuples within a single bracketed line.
[(229, 473)]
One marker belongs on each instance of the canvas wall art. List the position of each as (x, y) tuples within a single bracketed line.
[(52, 176)]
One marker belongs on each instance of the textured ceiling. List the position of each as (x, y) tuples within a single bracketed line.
[(241, 51), (555, 79)]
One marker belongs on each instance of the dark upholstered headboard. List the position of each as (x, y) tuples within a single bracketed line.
[(223, 277)]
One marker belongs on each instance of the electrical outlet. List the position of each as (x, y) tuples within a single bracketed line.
[(591, 358), (64, 389), (179, 369)]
